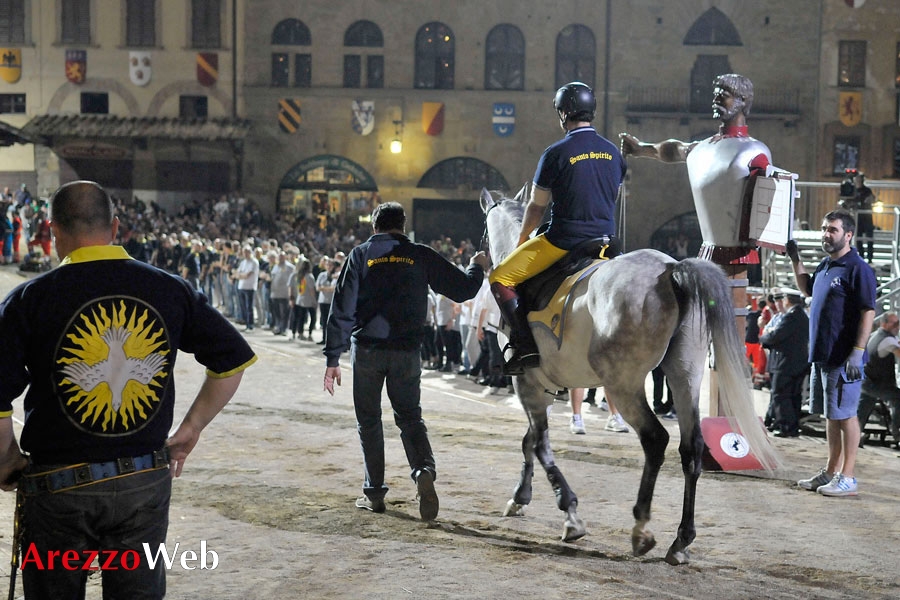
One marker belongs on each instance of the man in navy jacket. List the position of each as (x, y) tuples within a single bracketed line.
[(377, 313)]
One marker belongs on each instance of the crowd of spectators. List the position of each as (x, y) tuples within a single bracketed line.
[(230, 218), (204, 242), (24, 227)]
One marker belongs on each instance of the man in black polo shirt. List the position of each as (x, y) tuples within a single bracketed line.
[(94, 343)]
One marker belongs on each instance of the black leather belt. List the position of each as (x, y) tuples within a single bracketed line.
[(66, 478)]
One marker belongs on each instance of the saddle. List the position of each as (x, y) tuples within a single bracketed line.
[(546, 295), (536, 292)]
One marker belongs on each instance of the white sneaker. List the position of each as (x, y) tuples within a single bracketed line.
[(617, 424), (839, 486), (604, 405), (577, 425)]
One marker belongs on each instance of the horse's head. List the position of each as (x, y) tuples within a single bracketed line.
[(503, 221)]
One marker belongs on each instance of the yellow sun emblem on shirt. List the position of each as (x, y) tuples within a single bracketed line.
[(112, 364)]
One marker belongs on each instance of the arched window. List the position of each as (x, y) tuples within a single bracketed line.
[(435, 53), (364, 33), (713, 28), (575, 55), (463, 171), (291, 32), (504, 59), (364, 65)]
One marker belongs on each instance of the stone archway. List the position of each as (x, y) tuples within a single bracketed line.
[(326, 186), (110, 86), (193, 88)]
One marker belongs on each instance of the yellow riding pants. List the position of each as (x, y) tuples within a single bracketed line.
[(529, 259)]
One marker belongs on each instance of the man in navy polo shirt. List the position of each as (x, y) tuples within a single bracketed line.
[(93, 345), (840, 320), (579, 178)]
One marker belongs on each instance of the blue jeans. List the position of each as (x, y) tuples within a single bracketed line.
[(401, 370), (246, 297), (117, 514)]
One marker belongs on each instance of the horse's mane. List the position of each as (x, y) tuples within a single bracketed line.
[(507, 223)]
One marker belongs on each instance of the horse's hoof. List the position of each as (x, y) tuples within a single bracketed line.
[(514, 510), (642, 543), (573, 529), (678, 557)]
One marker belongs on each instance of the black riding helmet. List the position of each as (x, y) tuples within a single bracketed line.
[(575, 101)]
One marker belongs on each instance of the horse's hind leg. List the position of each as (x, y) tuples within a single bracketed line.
[(522, 493), (691, 449), (654, 439), (684, 377)]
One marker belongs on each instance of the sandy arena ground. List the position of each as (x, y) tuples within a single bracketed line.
[(271, 486)]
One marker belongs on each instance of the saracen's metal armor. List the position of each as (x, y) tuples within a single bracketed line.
[(718, 168)]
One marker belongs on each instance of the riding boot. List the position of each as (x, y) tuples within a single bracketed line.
[(525, 352)]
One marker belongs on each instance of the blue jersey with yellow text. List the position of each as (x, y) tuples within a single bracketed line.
[(583, 172)]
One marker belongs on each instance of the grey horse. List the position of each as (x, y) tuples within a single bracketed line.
[(639, 310)]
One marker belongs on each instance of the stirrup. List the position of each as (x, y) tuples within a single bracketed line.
[(517, 364)]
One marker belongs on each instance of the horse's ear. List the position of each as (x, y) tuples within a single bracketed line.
[(487, 201), (524, 193)]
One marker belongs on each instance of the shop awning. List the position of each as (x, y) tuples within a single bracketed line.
[(10, 135), (112, 126)]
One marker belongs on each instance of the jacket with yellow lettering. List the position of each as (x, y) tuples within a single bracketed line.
[(381, 295)]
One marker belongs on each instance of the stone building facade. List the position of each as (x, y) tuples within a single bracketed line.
[(139, 96), (308, 99)]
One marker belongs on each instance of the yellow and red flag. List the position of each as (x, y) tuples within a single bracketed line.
[(433, 117), (207, 68)]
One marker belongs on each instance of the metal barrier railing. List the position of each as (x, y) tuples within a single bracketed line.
[(819, 198)]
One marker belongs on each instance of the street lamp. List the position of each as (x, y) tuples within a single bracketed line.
[(396, 143)]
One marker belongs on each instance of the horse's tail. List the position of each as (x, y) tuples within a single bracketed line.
[(703, 283)]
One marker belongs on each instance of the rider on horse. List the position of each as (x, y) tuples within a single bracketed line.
[(579, 178)]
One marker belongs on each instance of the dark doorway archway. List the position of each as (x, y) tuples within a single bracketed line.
[(458, 216)]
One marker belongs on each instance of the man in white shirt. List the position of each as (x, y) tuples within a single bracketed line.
[(247, 276)]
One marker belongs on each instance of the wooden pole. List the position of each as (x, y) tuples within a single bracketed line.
[(737, 275)]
